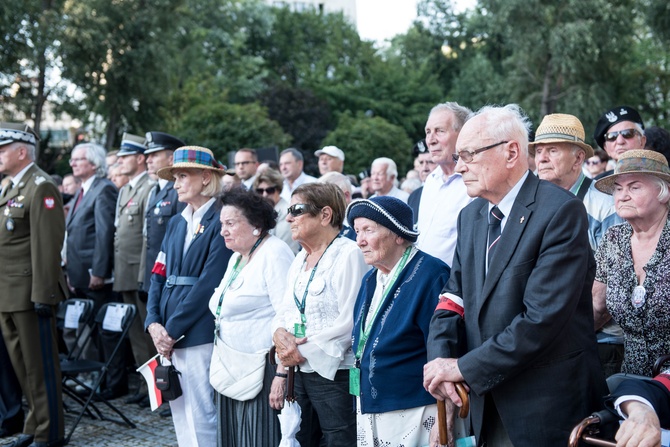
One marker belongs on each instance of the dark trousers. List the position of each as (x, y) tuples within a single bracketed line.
[(327, 410), (10, 389), (33, 349), (140, 341)]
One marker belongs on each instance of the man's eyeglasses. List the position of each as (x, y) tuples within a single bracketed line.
[(269, 191), (626, 133), (75, 160), (300, 208), (243, 163), (467, 156)]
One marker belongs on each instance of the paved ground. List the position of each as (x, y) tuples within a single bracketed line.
[(152, 429)]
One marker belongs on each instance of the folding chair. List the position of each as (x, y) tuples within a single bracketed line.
[(113, 317), (76, 314)]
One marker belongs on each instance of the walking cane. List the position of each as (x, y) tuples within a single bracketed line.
[(290, 380), (442, 412)]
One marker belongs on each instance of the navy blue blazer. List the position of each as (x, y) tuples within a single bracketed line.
[(184, 310), (529, 338), (396, 350), (90, 233)]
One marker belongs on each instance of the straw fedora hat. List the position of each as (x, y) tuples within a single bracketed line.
[(636, 161), (561, 128), (193, 157)]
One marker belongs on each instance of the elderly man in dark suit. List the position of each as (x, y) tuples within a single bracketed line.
[(90, 247), (515, 320), (32, 228)]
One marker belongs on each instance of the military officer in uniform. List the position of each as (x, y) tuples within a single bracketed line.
[(32, 229), (162, 204), (129, 224)]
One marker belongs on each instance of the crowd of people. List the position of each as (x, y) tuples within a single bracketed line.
[(525, 271)]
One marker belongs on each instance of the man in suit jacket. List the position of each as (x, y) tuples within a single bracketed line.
[(129, 222), (527, 348), (32, 229), (90, 244)]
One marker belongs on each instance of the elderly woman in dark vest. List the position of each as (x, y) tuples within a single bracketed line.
[(391, 319), (189, 267)]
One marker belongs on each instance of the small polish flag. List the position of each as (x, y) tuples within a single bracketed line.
[(148, 372), (159, 265)]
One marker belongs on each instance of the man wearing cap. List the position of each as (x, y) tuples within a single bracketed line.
[(619, 130), (32, 229), (291, 165), (128, 240), (515, 321), (90, 247), (246, 165), (559, 150), (444, 193), (162, 203), (331, 158)]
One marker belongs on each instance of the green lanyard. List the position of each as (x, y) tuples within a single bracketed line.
[(233, 276), (299, 329), (355, 371)]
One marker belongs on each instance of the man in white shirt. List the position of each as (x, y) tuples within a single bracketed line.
[(444, 193), (291, 164), (384, 174)]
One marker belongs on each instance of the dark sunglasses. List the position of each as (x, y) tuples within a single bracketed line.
[(593, 162), (269, 191), (626, 133), (299, 209)]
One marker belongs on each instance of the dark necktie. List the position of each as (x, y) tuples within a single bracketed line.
[(495, 219), (81, 196)]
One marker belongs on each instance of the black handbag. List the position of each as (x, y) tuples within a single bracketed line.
[(167, 381)]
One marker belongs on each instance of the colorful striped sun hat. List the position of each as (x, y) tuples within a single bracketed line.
[(636, 161), (193, 157)]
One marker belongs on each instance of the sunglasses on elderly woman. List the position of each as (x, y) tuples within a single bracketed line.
[(593, 162), (626, 133), (269, 191), (299, 209)]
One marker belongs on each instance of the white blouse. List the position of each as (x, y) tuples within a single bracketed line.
[(329, 306), (250, 302)]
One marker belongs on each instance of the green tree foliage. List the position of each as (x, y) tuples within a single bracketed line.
[(224, 127), (365, 138), (118, 55)]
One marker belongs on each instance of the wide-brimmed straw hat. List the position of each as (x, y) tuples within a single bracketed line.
[(636, 161), (388, 212), (561, 128), (193, 157)]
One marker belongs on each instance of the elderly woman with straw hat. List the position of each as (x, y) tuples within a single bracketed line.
[(633, 260), (189, 267), (391, 319)]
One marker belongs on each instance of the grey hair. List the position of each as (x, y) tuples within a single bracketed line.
[(337, 178), (95, 154), (664, 190), (293, 151), (391, 168), (461, 114), (507, 122)]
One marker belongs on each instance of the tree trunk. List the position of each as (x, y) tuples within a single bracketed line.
[(112, 127), (546, 89)]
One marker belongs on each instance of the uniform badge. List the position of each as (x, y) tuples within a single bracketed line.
[(611, 117), (6, 212), (157, 211), (10, 224), (49, 203), (39, 180)]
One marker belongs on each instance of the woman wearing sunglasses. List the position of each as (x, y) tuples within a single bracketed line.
[(633, 259), (597, 164), (269, 184), (313, 326)]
